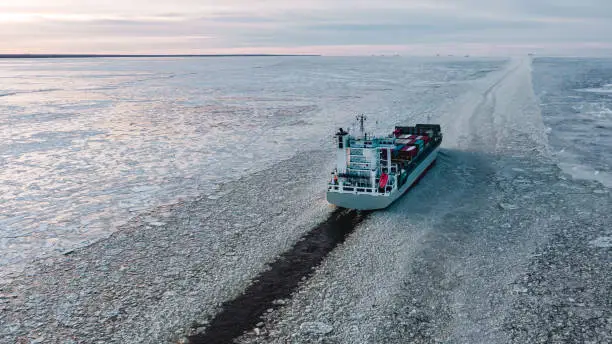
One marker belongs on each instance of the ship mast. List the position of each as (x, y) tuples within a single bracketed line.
[(360, 119)]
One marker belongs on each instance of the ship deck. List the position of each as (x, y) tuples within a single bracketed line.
[(409, 169)]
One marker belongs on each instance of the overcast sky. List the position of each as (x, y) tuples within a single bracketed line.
[(331, 27)]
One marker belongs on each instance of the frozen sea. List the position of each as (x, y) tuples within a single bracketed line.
[(576, 102), (138, 196), (88, 143)]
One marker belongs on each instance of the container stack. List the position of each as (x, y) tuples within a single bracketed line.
[(408, 151)]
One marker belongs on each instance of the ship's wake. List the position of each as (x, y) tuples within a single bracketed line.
[(282, 278)]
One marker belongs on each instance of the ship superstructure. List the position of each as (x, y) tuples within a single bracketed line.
[(372, 171)]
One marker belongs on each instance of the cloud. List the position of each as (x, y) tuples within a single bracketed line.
[(191, 26)]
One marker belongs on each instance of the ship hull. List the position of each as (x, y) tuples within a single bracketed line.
[(374, 202)]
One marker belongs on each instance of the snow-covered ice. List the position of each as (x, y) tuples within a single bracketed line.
[(169, 185), (88, 144)]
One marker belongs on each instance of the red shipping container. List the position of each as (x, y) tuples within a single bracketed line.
[(404, 141), (406, 136), (410, 150)]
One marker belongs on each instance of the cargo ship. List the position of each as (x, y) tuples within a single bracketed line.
[(372, 172)]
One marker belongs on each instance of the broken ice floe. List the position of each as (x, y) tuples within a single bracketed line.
[(602, 242), (315, 328), (508, 206)]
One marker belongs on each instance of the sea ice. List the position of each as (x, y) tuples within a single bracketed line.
[(316, 328), (602, 242)]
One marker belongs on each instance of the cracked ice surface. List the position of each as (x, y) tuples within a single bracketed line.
[(85, 145), (495, 245)]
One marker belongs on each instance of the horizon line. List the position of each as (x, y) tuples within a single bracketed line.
[(14, 56)]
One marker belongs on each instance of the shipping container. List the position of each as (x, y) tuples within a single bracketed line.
[(410, 150), (404, 141)]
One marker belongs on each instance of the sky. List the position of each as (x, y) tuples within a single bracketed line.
[(328, 27)]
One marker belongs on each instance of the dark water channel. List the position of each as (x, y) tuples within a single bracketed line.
[(281, 279)]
